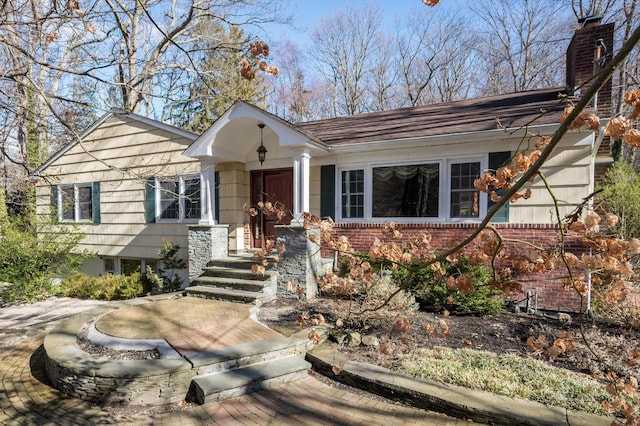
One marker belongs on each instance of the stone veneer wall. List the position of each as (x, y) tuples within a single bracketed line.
[(147, 389), (300, 263), (104, 381), (548, 287), (206, 242)]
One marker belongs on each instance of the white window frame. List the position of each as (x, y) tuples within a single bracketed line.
[(482, 207), (444, 203), (181, 199), (365, 194), (76, 202)]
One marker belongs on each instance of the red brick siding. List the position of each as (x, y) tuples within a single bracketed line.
[(548, 287), (247, 235), (580, 66)]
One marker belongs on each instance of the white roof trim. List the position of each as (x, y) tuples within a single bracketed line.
[(203, 146)]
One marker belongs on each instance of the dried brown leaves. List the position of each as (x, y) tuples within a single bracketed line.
[(540, 344), (259, 51)]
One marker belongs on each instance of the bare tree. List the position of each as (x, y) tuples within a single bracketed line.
[(455, 78), (435, 58), (383, 86), (522, 43), (416, 60), (586, 8), (64, 60), (343, 47), (297, 95)]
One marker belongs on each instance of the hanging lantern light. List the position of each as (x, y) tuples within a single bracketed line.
[(262, 151)]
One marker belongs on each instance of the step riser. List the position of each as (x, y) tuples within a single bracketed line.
[(231, 280), (227, 297), (251, 387), (243, 265), (231, 383), (249, 360), (235, 274), (257, 286)]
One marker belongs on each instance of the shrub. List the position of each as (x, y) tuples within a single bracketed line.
[(107, 287), (621, 195), (28, 261), (169, 279), (626, 311), (433, 293)]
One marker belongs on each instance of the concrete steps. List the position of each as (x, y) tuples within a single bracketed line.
[(239, 381), (230, 279)]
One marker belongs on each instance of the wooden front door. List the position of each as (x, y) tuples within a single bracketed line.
[(270, 185)]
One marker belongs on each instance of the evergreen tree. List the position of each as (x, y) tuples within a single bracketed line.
[(218, 84)]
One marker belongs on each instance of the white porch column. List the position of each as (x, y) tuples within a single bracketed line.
[(207, 192), (301, 182)]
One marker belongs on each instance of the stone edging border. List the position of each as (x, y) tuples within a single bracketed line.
[(97, 337), (457, 401), (105, 381)]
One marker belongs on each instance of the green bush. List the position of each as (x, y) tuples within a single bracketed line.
[(621, 195), (434, 294), (169, 278), (28, 262), (107, 287)]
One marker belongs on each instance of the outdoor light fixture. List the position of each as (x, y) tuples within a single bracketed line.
[(262, 151)]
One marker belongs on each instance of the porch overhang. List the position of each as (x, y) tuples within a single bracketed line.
[(235, 136)]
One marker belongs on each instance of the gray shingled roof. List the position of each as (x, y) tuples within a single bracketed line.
[(472, 115)]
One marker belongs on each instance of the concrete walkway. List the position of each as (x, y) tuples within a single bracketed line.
[(26, 399)]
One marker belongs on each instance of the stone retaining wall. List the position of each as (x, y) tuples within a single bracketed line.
[(108, 382)]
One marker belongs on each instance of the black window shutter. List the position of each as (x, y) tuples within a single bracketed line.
[(497, 160), (150, 199), (328, 191), (95, 202), (54, 203)]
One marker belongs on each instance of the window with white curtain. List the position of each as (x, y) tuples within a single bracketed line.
[(438, 190)]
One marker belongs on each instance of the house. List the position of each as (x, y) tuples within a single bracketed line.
[(414, 166), (127, 187)]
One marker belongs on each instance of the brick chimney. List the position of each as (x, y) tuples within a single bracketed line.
[(589, 51)]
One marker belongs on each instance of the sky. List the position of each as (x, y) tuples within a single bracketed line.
[(309, 12)]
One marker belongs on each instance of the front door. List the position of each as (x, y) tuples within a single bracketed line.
[(270, 185)]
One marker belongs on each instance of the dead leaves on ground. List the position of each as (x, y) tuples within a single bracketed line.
[(305, 320), (439, 330), (540, 345)]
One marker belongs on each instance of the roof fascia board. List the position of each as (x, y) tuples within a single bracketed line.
[(450, 139)]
